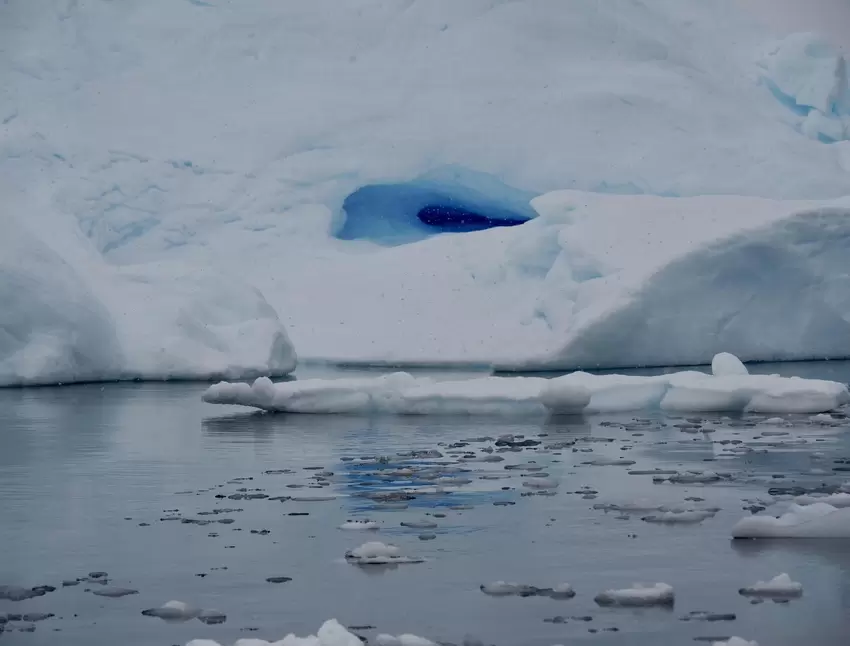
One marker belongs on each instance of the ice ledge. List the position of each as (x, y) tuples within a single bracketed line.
[(728, 389)]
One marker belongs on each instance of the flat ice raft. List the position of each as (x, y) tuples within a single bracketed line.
[(729, 388), (819, 520)]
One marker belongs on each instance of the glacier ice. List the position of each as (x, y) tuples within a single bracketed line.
[(575, 393), (659, 594), (68, 316), (207, 166)]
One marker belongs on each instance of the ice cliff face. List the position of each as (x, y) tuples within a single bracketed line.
[(196, 152)]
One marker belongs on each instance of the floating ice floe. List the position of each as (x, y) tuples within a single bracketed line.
[(377, 553), (816, 520), (577, 392), (332, 633), (839, 500), (780, 586), (503, 589), (402, 640), (360, 525), (660, 594), (735, 641)]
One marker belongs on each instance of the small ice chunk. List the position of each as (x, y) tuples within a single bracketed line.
[(500, 589), (541, 483), (114, 593), (332, 633), (212, 617), (360, 525), (173, 611), (692, 516), (610, 462), (780, 586), (419, 524), (838, 500), (401, 640), (725, 364), (660, 594), (735, 641), (563, 591), (695, 477), (377, 553)]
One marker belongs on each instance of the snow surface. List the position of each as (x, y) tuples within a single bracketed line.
[(181, 170), (332, 633), (816, 520), (578, 392)]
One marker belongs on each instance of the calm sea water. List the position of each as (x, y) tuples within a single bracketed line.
[(88, 472)]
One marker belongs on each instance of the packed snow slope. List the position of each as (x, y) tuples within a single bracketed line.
[(176, 156)]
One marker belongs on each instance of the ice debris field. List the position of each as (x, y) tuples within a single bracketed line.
[(188, 186)]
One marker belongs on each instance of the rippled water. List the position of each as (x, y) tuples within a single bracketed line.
[(82, 467)]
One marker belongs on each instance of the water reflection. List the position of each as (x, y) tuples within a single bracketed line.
[(75, 463)]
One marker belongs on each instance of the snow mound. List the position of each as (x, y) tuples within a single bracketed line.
[(659, 594), (578, 392), (816, 520), (779, 586), (332, 633)]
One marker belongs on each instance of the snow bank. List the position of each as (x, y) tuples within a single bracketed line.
[(578, 392), (817, 520), (332, 633)]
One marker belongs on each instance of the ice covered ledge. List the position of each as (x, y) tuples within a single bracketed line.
[(728, 388)]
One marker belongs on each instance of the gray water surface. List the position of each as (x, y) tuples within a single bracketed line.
[(87, 473)]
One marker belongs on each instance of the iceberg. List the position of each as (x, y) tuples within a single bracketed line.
[(318, 173), (68, 316), (575, 393)]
